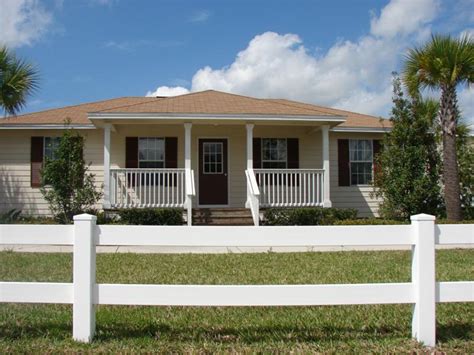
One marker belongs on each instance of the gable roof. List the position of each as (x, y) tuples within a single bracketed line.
[(199, 103)]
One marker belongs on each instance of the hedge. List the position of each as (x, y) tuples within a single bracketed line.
[(307, 216)]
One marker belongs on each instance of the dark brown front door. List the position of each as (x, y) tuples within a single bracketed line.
[(213, 171)]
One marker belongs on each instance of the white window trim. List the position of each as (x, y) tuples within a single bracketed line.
[(145, 160), (361, 161), (273, 161)]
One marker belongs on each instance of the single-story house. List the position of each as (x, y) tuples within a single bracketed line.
[(205, 149)]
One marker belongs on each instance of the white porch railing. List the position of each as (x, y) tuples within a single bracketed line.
[(290, 187), (148, 188), (253, 195)]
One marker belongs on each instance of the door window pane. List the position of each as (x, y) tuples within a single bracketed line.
[(213, 158)]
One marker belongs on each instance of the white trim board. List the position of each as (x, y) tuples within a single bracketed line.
[(361, 129), (47, 126)]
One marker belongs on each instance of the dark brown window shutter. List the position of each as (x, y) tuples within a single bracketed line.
[(36, 160), (377, 146), (343, 162), (293, 152), (131, 152), (171, 152), (257, 153)]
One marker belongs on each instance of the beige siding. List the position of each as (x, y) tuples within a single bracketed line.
[(15, 169), (15, 190), (350, 196)]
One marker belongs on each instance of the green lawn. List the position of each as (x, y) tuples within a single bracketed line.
[(380, 329)]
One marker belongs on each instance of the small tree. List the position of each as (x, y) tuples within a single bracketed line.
[(407, 177), (68, 187), (465, 155)]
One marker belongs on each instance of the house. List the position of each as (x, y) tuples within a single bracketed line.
[(204, 149)]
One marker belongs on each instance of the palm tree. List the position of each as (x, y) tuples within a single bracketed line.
[(18, 80), (442, 64)]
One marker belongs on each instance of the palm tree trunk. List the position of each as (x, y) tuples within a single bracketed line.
[(448, 115)]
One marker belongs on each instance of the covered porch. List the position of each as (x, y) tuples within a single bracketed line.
[(215, 163)]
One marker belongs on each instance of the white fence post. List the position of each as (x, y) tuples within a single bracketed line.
[(423, 279), (84, 278)]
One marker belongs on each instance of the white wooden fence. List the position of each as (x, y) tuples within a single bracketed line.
[(84, 293)]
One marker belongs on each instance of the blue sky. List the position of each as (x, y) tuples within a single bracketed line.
[(335, 53)]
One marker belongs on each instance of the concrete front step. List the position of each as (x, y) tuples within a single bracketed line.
[(222, 216)]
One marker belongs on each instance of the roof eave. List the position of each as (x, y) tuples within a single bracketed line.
[(46, 126), (97, 116), (361, 129)]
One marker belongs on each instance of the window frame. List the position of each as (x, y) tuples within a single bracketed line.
[(55, 138), (146, 160), (362, 161), (263, 161)]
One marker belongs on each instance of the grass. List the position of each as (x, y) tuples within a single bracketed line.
[(379, 329)]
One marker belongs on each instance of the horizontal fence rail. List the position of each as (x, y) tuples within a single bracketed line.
[(147, 188), (84, 293), (290, 187)]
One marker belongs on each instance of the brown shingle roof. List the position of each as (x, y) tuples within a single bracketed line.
[(353, 119), (215, 102), (77, 113), (203, 102)]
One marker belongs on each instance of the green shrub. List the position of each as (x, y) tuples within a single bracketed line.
[(368, 221), (36, 220), (152, 216), (104, 217), (307, 216), (447, 221), (10, 216)]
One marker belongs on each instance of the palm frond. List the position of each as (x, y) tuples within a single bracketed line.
[(443, 61), (18, 80)]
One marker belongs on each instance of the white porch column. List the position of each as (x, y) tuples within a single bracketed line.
[(107, 129), (326, 185), (249, 127), (187, 166), (187, 145)]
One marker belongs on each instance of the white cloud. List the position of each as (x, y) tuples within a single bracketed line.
[(353, 75), (168, 91), (403, 17), (200, 16), (23, 22)]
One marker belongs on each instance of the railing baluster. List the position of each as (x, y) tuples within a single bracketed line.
[(304, 189), (168, 189)]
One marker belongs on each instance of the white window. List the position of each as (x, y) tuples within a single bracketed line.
[(151, 152), (361, 161), (274, 153), (50, 145)]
